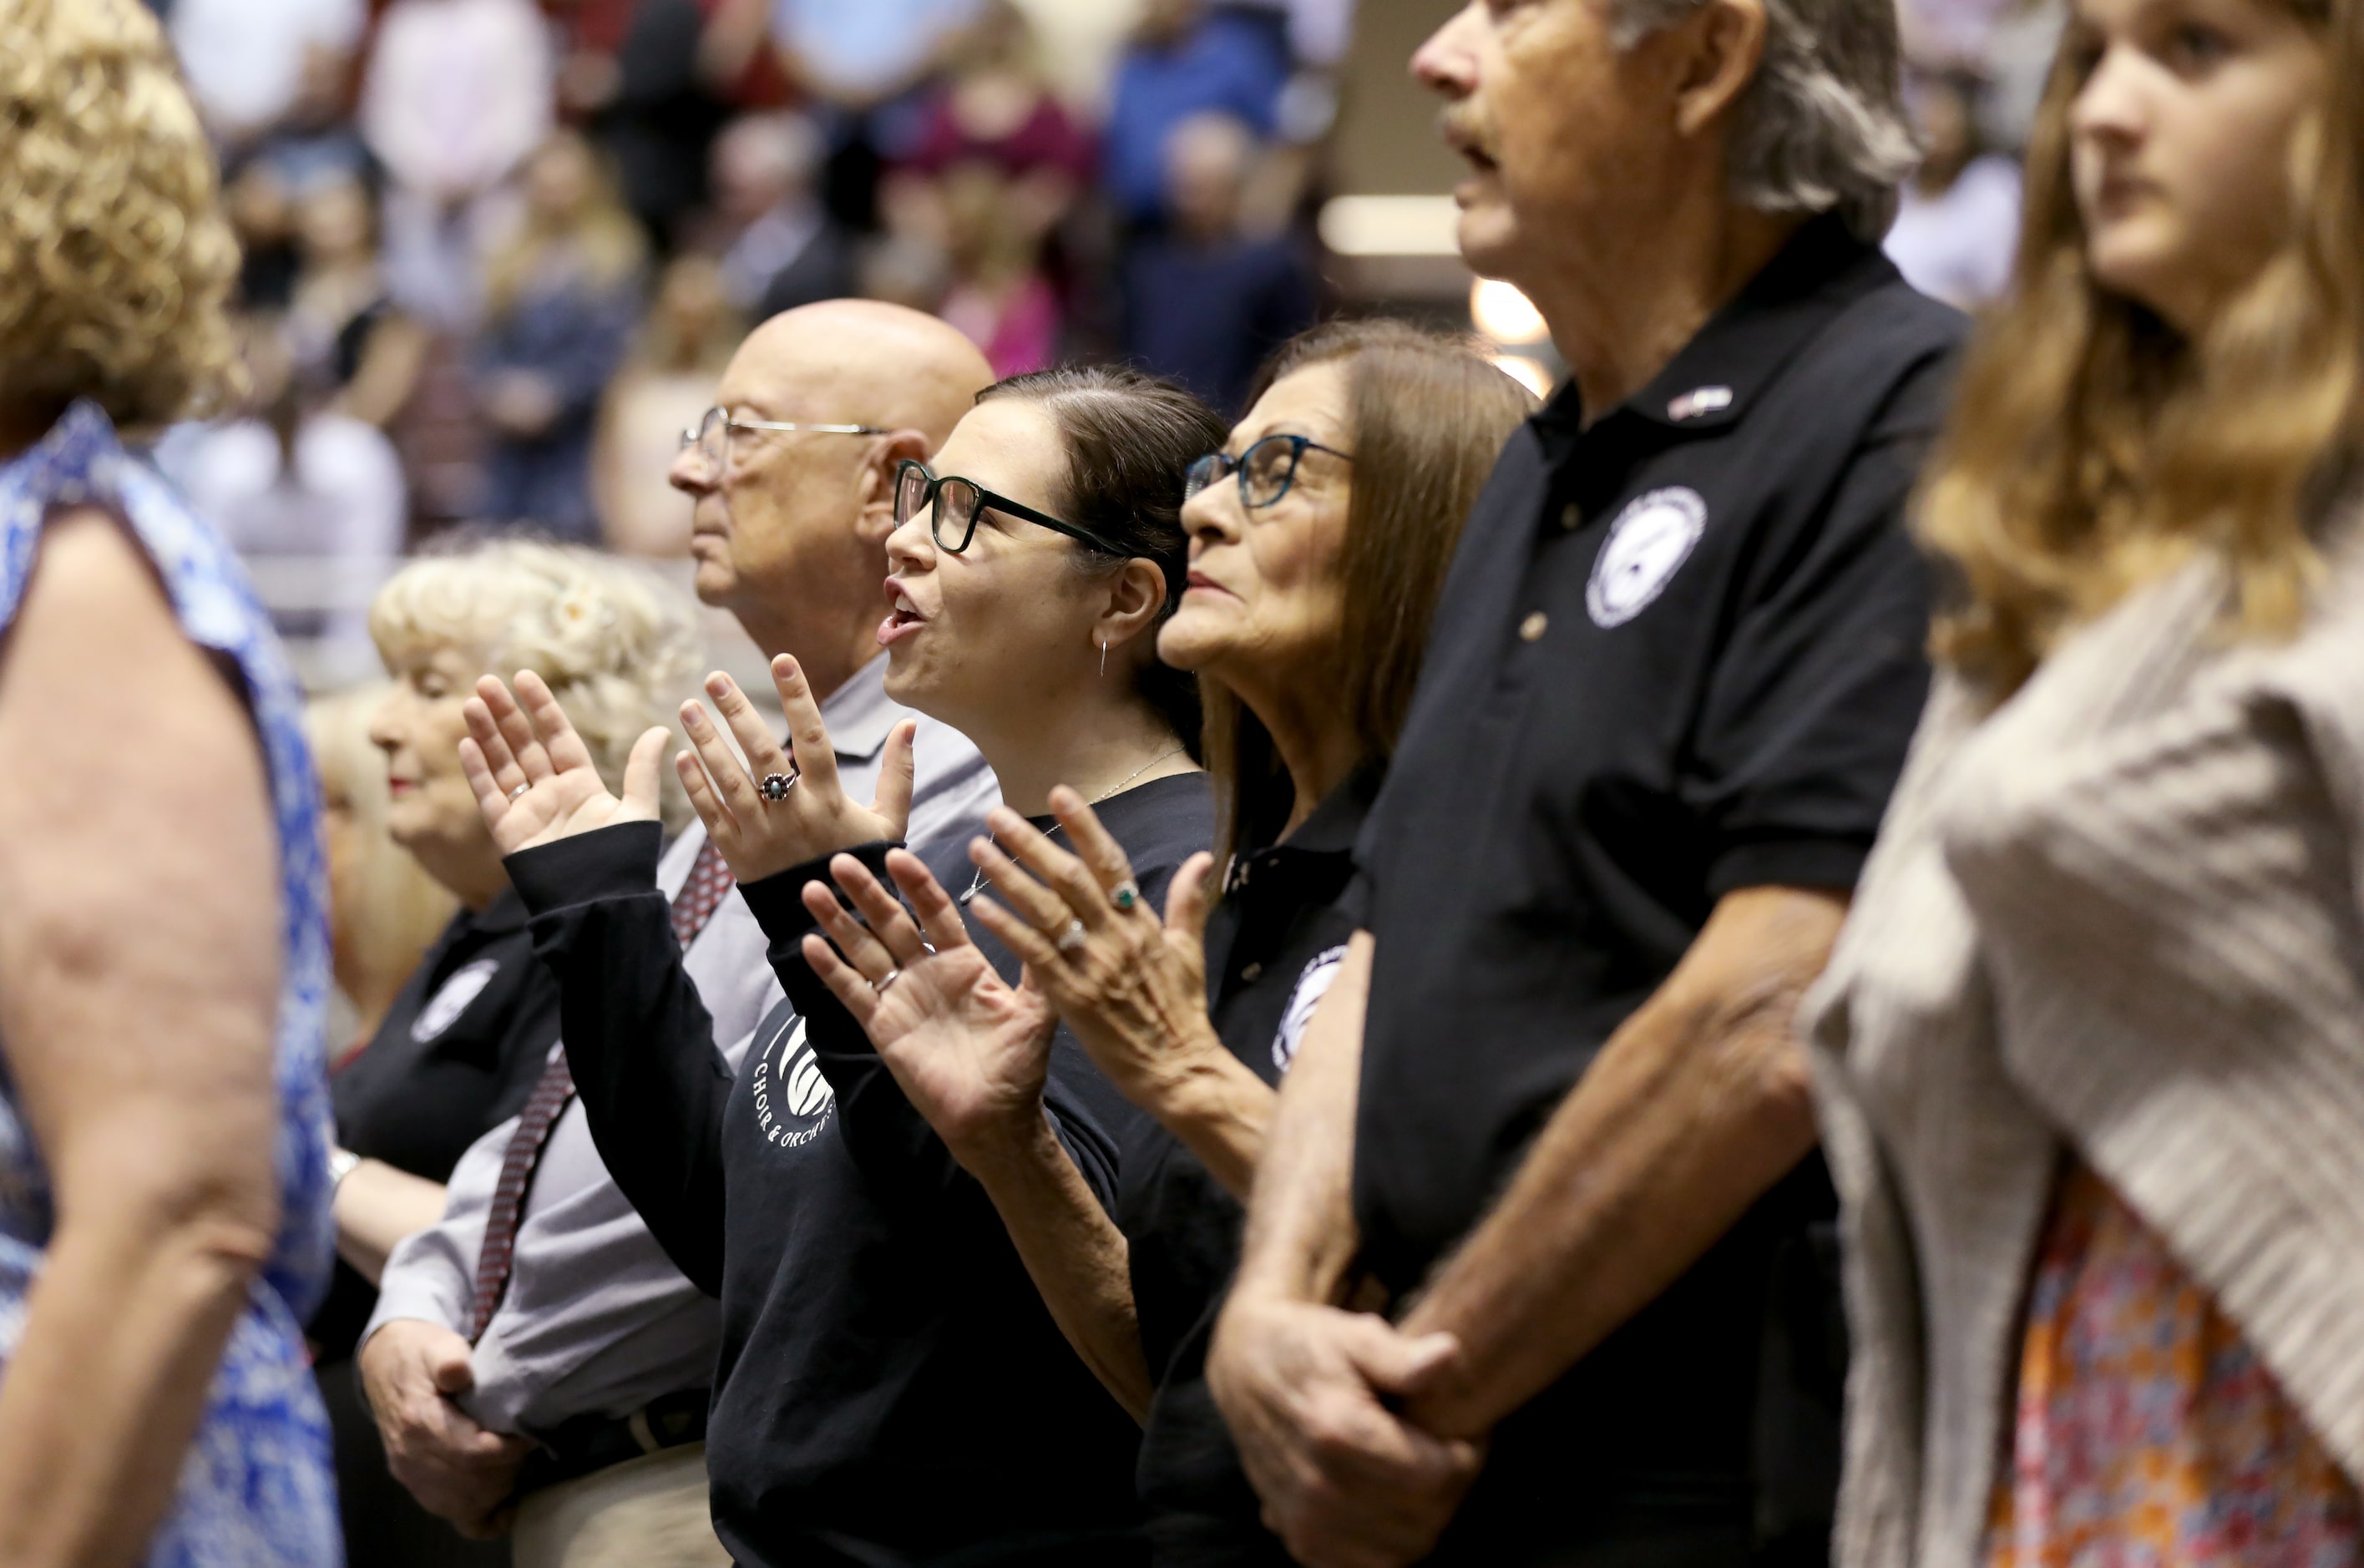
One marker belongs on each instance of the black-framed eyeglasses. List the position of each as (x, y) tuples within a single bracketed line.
[(712, 433), (954, 504), (1265, 470)]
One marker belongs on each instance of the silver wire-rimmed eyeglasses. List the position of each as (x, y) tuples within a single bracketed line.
[(718, 426)]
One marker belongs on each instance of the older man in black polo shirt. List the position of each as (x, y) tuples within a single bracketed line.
[(1552, 1105)]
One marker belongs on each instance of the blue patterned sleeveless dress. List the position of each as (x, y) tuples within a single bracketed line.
[(257, 1490)]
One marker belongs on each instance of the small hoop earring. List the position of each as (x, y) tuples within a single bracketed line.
[(1103, 661)]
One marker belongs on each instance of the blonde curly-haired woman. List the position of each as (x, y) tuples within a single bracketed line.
[(163, 950), (2088, 1053), (462, 1047)]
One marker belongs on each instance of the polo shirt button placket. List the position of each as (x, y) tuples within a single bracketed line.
[(1571, 517), (1532, 628), (1252, 973)]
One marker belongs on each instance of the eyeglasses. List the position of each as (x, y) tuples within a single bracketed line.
[(957, 502), (712, 433), (1266, 469)]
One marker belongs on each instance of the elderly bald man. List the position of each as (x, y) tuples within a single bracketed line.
[(536, 1357), (1550, 1107)]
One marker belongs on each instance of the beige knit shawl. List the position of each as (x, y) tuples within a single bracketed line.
[(2116, 916)]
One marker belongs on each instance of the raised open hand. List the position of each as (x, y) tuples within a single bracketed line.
[(970, 1050), (760, 834), (1132, 986), (534, 779)]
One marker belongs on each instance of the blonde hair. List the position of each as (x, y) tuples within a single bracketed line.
[(607, 238), (617, 644), (115, 259), (383, 908), (2092, 447)]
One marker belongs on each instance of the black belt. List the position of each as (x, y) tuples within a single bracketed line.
[(583, 1445)]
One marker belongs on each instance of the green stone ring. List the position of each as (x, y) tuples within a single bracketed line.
[(1126, 895)]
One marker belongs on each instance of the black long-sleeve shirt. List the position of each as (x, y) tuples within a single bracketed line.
[(890, 1387)]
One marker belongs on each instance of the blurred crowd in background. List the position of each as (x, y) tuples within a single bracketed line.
[(497, 250), (496, 253)]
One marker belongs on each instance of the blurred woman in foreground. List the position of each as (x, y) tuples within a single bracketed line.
[(1319, 537), (2090, 1074), (163, 944)]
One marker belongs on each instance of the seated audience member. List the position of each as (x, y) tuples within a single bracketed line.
[(996, 105), (462, 1046), (561, 300), (2087, 1055), (1957, 218), (779, 246), (312, 501), (1552, 1103), (1319, 539), (1204, 301), (583, 1335), (665, 387), (384, 911), (998, 292), (350, 343), (1186, 58), (890, 1387), (454, 100)]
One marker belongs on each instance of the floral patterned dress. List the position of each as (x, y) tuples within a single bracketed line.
[(2147, 1431), (256, 1490)]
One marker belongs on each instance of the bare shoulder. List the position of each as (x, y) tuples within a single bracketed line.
[(96, 612), (91, 580)]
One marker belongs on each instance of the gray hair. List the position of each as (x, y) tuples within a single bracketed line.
[(1822, 125), (617, 644)]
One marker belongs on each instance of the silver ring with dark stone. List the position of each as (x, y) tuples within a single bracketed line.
[(776, 786)]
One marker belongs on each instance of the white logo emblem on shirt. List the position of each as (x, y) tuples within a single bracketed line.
[(1312, 984), (1699, 400), (1646, 546), (792, 1099), (443, 1009)]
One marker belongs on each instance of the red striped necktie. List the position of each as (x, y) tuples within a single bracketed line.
[(710, 880)]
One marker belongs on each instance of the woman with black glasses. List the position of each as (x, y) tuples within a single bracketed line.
[(1319, 539), (891, 1388)]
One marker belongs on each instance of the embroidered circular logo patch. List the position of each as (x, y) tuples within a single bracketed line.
[(1646, 546), (1312, 984), (443, 1009)]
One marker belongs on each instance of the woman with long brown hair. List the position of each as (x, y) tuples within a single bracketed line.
[(2086, 1054), (1319, 538)]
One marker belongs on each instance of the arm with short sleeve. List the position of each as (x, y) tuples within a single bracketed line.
[(1813, 701), (638, 1040)]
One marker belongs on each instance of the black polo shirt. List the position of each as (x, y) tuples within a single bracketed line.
[(455, 1056), (1274, 943), (1678, 653)]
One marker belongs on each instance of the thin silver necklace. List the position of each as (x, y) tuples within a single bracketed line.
[(977, 881)]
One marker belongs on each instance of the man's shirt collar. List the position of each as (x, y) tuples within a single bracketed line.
[(1711, 382)]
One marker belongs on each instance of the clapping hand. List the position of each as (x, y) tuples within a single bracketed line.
[(760, 835), (534, 779), (970, 1050), (1132, 985)]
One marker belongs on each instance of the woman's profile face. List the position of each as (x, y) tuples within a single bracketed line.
[(1266, 603), (432, 812), (1005, 626), (2179, 143)]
